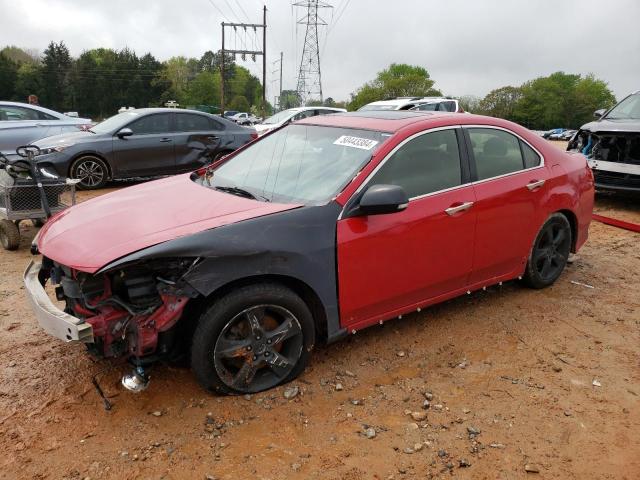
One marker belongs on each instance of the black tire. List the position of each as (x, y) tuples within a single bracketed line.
[(9, 235), (549, 253), (92, 172), (232, 354)]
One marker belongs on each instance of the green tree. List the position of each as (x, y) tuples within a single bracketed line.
[(470, 103), (8, 74), (399, 80), (55, 73), (239, 103), (204, 89), (20, 55), (501, 102), (289, 99), (28, 81)]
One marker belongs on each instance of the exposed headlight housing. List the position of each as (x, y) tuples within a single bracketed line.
[(54, 149)]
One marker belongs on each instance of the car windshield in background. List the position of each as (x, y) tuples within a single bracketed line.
[(376, 107), (114, 123), (628, 109), (278, 117), (299, 164)]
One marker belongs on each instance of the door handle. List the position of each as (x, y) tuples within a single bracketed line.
[(165, 140), (459, 208), (535, 184)]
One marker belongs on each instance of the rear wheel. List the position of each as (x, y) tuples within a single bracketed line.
[(549, 253), (91, 171), (253, 339), (9, 235)]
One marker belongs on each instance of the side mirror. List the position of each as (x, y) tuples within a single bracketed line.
[(599, 113), (124, 132), (380, 199)]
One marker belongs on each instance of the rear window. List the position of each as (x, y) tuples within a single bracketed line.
[(187, 122)]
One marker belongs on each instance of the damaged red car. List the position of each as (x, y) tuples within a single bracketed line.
[(315, 231)]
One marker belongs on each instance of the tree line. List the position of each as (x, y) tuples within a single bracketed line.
[(100, 81)]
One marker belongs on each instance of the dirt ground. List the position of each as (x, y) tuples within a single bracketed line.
[(518, 379)]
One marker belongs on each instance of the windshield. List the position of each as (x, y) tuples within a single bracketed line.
[(372, 107), (306, 164), (628, 109), (114, 123), (279, 117)]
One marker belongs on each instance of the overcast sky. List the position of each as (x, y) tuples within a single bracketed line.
[(468, 46)]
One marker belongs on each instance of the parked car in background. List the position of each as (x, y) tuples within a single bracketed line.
[(22, 123), (313, 232), (567, 135), (229, 113), (553, 131), (293, 115), (611, 144), (439, 104), (145, 142), (433, 104), (244, 118)]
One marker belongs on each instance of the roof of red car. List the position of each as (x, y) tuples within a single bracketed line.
[(393, 121)]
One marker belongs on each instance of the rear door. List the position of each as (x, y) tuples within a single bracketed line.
[(194, 133), (510, 183), (149, 151), (397, 262)]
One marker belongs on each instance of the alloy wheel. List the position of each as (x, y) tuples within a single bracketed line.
[(551, 251), (90, 173), (258, 348)]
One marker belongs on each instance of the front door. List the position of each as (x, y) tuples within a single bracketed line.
[(149, 151), (391, 263), (511, 180)]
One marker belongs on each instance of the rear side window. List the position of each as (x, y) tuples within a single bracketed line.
[(215, 125), (531, 158), (158, 123), (304, 114), (426, 164), (496, 152), (11, 112), (186, 122)]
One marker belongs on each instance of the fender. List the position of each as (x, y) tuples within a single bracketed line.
[(299, 244)]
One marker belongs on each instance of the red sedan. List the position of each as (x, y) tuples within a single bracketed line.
[(315, 231)]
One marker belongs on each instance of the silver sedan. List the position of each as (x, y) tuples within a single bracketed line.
[(21, 124)]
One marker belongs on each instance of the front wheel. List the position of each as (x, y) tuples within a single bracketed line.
[(91, 171), (253, 339), (549, 253)]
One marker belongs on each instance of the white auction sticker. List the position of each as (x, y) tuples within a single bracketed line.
[(356, 142)]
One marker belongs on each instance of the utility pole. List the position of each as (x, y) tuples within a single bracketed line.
[(309, 76), (273, 72), (244, 53)]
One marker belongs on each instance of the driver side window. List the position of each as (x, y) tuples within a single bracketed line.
[(158, 123), (425, 164)]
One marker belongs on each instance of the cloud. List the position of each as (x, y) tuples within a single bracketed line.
[(469, 47)]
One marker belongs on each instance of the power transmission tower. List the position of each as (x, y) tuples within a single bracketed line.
[(246, 52), (309, 76)]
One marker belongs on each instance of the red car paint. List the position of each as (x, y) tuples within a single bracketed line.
[(392, 264), (91, 234)]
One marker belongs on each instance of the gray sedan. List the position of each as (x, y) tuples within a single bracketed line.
[(21, 124), (146, 142)]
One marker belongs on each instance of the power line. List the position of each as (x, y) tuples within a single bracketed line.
[(218, 9), (243, 11)]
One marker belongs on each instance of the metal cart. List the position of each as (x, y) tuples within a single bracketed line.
[(26, 194)]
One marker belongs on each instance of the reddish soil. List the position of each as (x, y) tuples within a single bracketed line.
[(549, 379)]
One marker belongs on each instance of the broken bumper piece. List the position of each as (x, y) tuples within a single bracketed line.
[(53, 320)]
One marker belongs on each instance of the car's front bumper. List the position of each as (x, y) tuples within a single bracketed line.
[(53, 320)]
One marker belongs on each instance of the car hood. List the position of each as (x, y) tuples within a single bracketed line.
[(94, 233), (606, 125), (68, 138)]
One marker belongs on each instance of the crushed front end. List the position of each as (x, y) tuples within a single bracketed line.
[(132, 311), (614, 157)]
